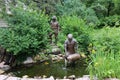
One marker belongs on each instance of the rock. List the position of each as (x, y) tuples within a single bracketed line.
[(37, 77), (44, 76), (28, 60), (11, 74), (25, 76), (13, 78), (4, 67), (3, 77), (56, 50), (9, 13), (29, 79), (1, 64), (63, 79), (71, 77), (50, 78), (1, 71), (111, 79), (56, 58), (61, 55), (86, 77), (80, 79), (83, 56)]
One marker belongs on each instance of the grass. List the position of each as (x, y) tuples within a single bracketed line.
[(104, 63)]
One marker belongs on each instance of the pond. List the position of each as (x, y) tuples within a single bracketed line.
[(49, 68)]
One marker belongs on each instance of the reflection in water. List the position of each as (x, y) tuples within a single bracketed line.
[(56, 69)]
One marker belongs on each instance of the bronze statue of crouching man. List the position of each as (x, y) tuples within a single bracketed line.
[(71, 47)]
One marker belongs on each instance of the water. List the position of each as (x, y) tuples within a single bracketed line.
[(48, 68)]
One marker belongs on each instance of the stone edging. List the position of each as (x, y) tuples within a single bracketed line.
[(7, 77), (85, 77)]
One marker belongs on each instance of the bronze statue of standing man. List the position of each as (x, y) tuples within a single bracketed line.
[(55, 29)]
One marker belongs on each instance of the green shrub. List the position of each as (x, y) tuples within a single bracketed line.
[(27, 34), (106, 39), (112, 21), (77, 7)]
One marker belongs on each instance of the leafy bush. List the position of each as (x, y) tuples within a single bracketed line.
[(27, 33), (77, 7), (112, 21), (106, 39), (77, 27)]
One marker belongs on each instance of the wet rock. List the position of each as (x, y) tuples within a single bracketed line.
[(37, 57), (61, 55), (56, 50), (56, 57), (28, 60)]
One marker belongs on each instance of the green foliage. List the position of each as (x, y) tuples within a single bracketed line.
[(99, 9), (117, 7), (27, 33), (76, 7), (47, 5), (77, 27), (71, 7), (104, 65), (112, 21), (106, 39)]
